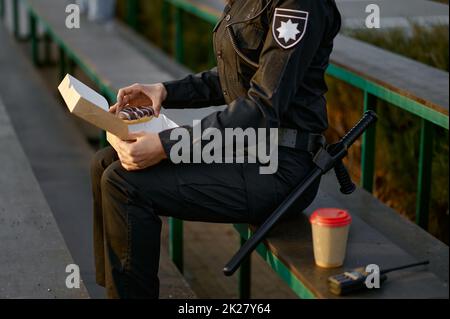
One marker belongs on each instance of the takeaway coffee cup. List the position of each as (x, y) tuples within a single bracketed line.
[(330, 228)]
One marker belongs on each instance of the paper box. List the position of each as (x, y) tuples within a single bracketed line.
[(92, 107)]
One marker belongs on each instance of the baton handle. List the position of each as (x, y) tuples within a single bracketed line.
[(344, 179)]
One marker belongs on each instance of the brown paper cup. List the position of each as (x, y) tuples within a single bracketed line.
[(330, 228)]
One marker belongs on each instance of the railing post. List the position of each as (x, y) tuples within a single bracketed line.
[(165, 25), (47, 48), (71, 66), (212, 55), (245, 277), (104, 91), (368, 147), (425, 173), (2, 9), (176, 242), (34, 38), (15, 12), (103, 142), (179, 40), (132, 13), (62, 63)]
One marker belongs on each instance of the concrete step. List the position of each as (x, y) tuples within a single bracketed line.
[(57, 152), (34, 255), (59, 156)]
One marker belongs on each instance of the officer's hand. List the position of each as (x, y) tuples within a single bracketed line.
[(142, 151), (141, 95)]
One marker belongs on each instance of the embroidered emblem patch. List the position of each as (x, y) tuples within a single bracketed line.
[(289, 27)]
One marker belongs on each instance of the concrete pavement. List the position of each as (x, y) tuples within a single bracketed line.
[(33, 253)]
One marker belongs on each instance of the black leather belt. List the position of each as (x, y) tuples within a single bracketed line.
[(305, 141)]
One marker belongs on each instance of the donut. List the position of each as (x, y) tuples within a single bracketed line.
[(133, 115)]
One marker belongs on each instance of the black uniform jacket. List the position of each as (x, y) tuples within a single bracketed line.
[(271, 61)]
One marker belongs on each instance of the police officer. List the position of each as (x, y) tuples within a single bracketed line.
[(271, 62)]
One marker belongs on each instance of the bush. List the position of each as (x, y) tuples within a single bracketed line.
[(428, 45)]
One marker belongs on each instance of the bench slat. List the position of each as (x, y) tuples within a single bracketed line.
[(417, 81)]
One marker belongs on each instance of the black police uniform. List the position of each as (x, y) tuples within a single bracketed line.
[(271, 62)]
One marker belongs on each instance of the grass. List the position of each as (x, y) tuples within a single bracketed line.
[(426, 45), (397, 133)]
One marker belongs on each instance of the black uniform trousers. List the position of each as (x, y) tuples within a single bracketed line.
[(128, 206)]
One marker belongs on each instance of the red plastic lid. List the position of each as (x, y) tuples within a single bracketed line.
[(331, 217)]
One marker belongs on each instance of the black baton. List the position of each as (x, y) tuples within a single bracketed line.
[(325, 160)]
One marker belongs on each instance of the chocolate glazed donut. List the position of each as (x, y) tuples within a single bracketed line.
[(136, 114)]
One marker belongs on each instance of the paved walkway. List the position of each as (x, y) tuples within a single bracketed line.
[(33, 254), (51, 143)]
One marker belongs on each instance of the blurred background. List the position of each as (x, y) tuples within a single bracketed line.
[(404, 163)]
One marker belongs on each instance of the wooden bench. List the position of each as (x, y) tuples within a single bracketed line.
[(65, 146)]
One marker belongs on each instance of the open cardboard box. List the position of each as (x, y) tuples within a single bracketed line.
[(92, 107)]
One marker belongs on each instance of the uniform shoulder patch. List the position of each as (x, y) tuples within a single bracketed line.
[(289, 26)]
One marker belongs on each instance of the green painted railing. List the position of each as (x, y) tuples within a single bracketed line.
[(2, 9), (274, 262), (132, 13), (68, 60), (15, 12)]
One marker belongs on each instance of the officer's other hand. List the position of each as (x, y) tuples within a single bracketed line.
[(141, 95), (141, 151)]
